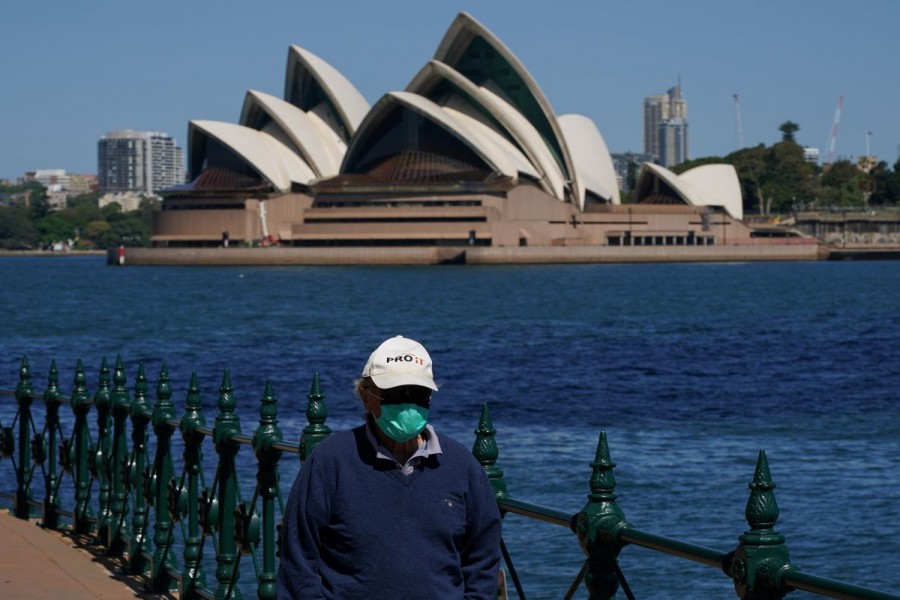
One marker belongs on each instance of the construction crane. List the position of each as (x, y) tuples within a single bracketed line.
[(832, 139), (740, 128)]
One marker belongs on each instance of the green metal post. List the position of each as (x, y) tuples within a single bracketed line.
[(486, 452), (163, 470), (316, 413), (598, 525), (120, 406), (192, 575), (761, 557), (102, 400), (267, 434), (52, 399), (227, 424), (81, 406), (24, 398), (137, 563)]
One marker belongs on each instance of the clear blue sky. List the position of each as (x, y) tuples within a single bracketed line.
[(74, 70)]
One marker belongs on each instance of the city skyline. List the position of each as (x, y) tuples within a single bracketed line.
[(75, 75)]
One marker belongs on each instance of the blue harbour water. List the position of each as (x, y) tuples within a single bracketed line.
[(691, 369)]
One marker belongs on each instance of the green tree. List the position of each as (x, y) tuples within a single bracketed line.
[(788, 178), (54, 228), (750, 164), (16, 230), (631, 176), (885, 185), (788, 129), (40, 206), (93, 233), (111, 210), (697, 162), (842, 185)]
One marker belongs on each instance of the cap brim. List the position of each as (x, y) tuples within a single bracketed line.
[(387, 381)]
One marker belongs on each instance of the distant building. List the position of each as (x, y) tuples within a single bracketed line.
[(127, 201), (673, 142), (138, 161), (61, 185), (811, 155), (52, 179), (82, 183), (622, 161), (666, 127)]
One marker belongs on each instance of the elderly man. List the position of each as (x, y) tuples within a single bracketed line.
[(390, 510)]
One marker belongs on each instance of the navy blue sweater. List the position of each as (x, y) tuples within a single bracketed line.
[(356, 527)]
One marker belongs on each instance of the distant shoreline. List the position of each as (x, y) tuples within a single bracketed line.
[(420, 256), (46, 253)]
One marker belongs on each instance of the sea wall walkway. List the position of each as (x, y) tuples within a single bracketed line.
[(41, 564)]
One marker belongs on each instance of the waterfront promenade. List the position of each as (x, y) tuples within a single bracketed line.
[(39, 564)]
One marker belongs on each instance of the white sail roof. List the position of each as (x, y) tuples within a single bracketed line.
[(271, 159), (315, 86), (718, 186), (517, 127), (593, 162), (706, 185), (315, 143), (490, 147), (512, 79)]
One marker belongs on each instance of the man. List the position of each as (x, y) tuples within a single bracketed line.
[(389, 510)]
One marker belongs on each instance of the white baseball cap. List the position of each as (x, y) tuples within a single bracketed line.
[(400, 361)]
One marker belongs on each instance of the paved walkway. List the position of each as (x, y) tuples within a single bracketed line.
[(37, 564)]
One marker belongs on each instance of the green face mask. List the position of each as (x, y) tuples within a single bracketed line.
[(402, 422)]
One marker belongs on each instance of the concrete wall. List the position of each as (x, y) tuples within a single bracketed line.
[(465, 254)]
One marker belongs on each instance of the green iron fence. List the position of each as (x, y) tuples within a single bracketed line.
[(119, 489)]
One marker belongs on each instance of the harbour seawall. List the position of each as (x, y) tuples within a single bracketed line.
[(477, 255)]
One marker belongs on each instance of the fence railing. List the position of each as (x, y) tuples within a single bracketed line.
[(118, 490)]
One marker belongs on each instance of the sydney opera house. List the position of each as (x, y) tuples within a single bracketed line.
[(470, 154)]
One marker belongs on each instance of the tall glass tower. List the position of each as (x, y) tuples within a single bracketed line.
[(666, 127)]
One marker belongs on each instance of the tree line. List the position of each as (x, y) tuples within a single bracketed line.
[(777, 179), (32, 225)]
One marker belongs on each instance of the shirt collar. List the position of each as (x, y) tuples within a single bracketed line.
[(431, 446)]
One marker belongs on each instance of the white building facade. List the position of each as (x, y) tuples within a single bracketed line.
[(138, 161)]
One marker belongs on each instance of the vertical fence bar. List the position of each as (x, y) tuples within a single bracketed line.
[(163, 470), (24, 393), (137, 563), (486, 452), (316, 414), (120, 407), (227, 424), (102, 457), (81, 406), (597, 527), (761, 556), (192, 575), (52, 398), (267, 458)]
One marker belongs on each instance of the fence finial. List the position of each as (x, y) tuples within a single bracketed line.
[(761, 556), (316, 413), (486, 452), (83, 451), (598, 525)]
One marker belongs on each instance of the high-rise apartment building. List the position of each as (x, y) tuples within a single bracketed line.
[(666, 127), (138, 161)]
